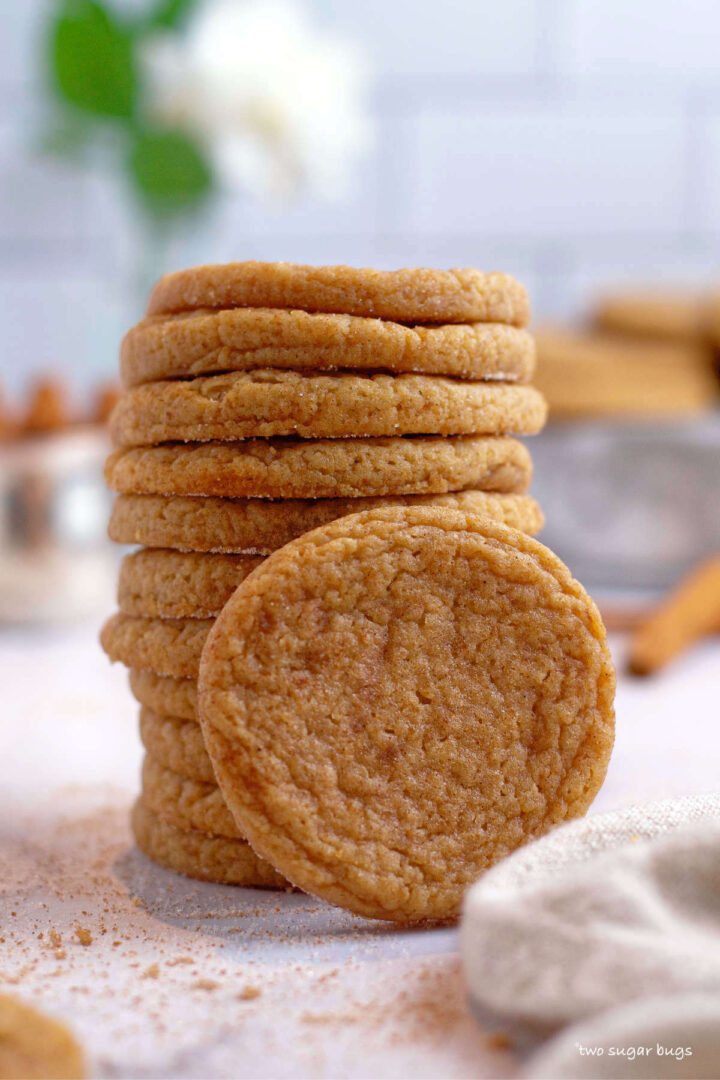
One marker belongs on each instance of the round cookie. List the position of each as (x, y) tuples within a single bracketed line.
[(259, 526), (176, 584), (164, 694), (322, 468), (186, 803), (36, 1047), (165, 646), (176, 744), (198, 855), (241, 339), (409, 295), (397, 700), (270, 403)]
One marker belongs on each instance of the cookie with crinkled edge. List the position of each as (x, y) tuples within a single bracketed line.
[(322, 468), (176, 744), (269, 404), (156, 583), (200, 855), (165, 694), (165, 646), (259, 526), (186, 803), (205, 342), (409, 295), (397, 700), (34, 1046)]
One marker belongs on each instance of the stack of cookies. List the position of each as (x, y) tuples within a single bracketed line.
[(266, 400)]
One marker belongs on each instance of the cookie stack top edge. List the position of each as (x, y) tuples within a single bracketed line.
[(409, 295)]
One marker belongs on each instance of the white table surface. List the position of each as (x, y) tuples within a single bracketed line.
[(164, 987)]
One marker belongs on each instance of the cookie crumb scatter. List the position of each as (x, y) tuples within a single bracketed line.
[(249, 993), (206, 984), (83, 935), (151, 972)]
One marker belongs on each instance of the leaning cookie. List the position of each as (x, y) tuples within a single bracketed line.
[(259, 526), (410, 295), (200, 855), (241, 339), (270, 403), (322, 468), (397, 700)]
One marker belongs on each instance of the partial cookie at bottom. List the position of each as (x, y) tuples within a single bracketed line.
[(199, 855)]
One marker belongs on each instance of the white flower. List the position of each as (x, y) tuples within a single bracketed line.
[(277, 103)]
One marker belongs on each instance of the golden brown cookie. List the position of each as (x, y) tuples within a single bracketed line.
[(165, 646), (164, 694), (157, 583), (34, 1046), (198, 855), (204, 342), (176, 744), (186, 803), (397, 700), (410, 295), (270, 403), (605, 375), (259, 526), (669, 314), (322, 468)]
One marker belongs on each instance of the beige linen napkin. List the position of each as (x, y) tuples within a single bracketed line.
[(612, 925)]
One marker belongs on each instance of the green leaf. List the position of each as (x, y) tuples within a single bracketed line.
[(168, 14), (93, 65), (169, 170)]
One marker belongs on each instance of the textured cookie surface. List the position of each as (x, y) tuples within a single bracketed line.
[(268, 403), (259, 526), (176, 744), (165, 694), (199, 855), (175, 584), (322, 468), (165, 646), (186, 803), (34, 1046), (410, 295), (203, 342), (395, 701)]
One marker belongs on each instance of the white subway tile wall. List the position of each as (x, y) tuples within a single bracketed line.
[(575, 143)]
